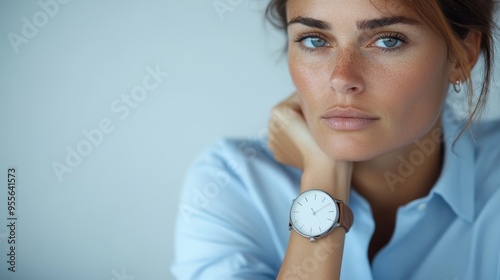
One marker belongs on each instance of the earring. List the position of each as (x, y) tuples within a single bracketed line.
[(457, 86)]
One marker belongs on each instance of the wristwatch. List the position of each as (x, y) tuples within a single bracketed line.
[(314, 214)]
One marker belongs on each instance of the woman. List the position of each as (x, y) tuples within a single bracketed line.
[(367, 135)]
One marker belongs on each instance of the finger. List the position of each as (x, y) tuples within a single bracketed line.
[(293, 102)]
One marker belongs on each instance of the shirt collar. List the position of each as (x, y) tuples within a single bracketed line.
[(456, 182)]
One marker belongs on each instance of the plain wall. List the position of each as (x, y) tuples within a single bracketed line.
[(100, 144)]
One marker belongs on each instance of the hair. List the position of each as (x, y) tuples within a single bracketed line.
[(452, 19)]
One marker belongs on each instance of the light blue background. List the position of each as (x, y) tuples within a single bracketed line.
[(112, 217)]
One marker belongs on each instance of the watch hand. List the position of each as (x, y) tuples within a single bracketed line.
[(314, 213), (322, 208)]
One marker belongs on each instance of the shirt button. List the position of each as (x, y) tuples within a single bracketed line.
[(422, 206)]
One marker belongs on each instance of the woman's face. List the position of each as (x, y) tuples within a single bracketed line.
[(371, 75)]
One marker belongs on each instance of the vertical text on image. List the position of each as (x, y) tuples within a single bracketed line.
[(11, 218)]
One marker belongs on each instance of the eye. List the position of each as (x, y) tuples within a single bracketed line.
[(311, 42), (390, 41)]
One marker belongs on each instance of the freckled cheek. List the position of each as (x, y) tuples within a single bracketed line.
[(417, 97), (311, 83)]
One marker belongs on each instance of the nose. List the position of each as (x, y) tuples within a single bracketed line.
[(346, 75)]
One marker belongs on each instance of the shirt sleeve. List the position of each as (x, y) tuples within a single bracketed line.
[(220, 234)]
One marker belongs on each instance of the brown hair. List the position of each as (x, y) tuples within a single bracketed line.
[(452, 19)]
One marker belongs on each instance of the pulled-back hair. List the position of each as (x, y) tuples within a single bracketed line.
[(452, 19)]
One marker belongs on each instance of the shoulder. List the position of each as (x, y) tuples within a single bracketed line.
[(487, 131), (476, 158), (487, 168), (482, 138), (486, 139), (240, 171), (242, 159), (231, 153)]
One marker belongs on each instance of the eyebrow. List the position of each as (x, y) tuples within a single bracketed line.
[(311, 22), (361, 25), (385, 21)]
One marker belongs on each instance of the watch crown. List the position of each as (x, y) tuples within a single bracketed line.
[(312, 239)]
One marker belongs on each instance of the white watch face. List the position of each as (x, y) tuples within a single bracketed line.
[(313, 213)]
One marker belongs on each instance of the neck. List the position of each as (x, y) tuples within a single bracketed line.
[(394, 179)]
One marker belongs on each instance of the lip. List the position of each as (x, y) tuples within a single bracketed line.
[(348, 119)]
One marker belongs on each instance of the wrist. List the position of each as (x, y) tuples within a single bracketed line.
[(333, 177)]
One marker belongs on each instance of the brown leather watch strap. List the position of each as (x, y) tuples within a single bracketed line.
[(346, 217)]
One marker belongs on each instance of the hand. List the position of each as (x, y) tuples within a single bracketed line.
[(289, 136), (292, 144)]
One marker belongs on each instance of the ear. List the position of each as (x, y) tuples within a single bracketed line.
[(471, 45)]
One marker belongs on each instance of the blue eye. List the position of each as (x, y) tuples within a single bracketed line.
[(390, 41), (313, 42)]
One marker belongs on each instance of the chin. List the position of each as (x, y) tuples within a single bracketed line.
[(350, 148), (350, 155)]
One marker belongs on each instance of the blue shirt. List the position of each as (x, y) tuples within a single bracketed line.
[(234, 211)]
